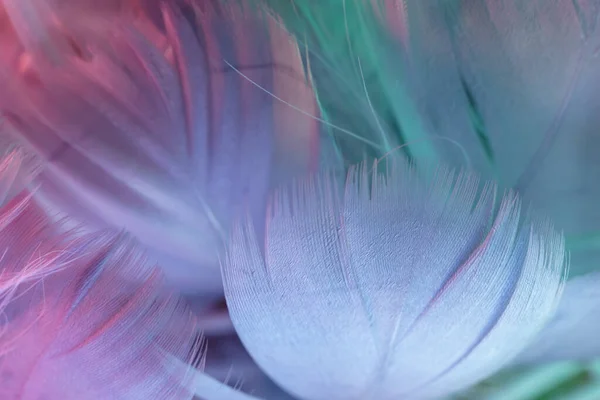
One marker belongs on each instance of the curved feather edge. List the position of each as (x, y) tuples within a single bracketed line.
[(471, 76), (209, 388), (514, 85), (440, 285), (572, 334), (228, 361), (87, 317)]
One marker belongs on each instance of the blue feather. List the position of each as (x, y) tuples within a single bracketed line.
[(400, 285)]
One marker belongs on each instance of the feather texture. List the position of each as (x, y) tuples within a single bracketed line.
[(50, 29), (79, 334), (572, 334), (16, 172), (35, 24), (167, 129), (172, 121), (507, 88), (400, 285), (514, 84), (363, 98), (72, 327)]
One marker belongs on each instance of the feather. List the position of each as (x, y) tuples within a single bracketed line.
[(438, 285), (167, 130), (16, 171), (228, 361), (506, 88), (297, 128), (34, 23), (87, 316), (514, 84), (396, 285), (572, 334), (79, 334), (343, 43), (50, 28), (523, 79), (72, 327)]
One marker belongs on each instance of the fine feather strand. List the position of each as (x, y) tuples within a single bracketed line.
[(86, 317), (506, 88), (72, 328), (141, 135), (83, 332), (359, 77), (515, 85), (402, 285)]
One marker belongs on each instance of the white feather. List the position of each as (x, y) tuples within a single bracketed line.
[(405, 285)]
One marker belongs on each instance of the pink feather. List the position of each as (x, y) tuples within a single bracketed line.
[(73, 327), (174, 123)]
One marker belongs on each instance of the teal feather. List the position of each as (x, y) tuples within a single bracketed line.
[(508, 88), (359, 78)]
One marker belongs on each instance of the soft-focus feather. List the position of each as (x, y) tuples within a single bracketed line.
[(80, 333), (16, 172), (342, 46), (403, 285), (72, 327), (167, 129), (515, 85), (50, 29), (26, 234), (505, 87), (173, 120), (572, 334), (36, 24)]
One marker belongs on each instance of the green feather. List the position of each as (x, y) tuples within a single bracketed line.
[(357, 68)]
